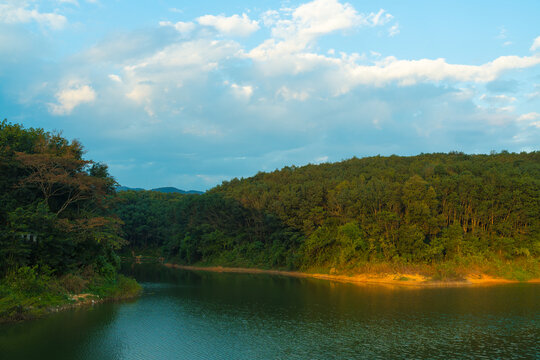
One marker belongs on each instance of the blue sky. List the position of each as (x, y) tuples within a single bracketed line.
[(188, 94)]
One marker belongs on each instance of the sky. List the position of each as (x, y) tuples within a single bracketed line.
[(192, 93)]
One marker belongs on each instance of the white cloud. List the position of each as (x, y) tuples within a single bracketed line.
[(394, 30), (120, 48), (408, 72), (243, 92), (73, 2), (287, 70), (201, 130), (505, 109), (140, 93), (71, 97), (285, 57), (270, 17), (288, 94), (502, 33), (533, 95), (155, 81), (15, 14), (232, 25), (378, 19), (189, 57), (536, 44), (115, 78), (148, 109), (531, 119), (529, 116), (290, 56), (297, 29), (497, 99), (294, 32), (183, 28), (321, 17)]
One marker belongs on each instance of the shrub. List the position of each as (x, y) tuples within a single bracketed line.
[(73, 283), (27, 280)]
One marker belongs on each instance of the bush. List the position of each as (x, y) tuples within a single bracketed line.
[(447, 271), (26, 293), (74, 284), (127, 287), (27, 280)]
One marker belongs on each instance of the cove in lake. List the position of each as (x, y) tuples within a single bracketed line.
[(200, 315)]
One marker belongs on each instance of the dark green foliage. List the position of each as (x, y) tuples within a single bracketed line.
[(74, 284), (418, 209), (30, 292), (54, 222), (26, 292), (118, 287), (205, 228), (146, 217), (54, 204)]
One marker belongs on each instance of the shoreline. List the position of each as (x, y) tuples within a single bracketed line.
[(125, 289), (398, 279), (80, 301), (88, 300)]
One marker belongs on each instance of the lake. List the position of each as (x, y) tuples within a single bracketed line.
[(200, 315)]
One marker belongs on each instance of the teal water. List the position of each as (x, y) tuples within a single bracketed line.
[(198, 315)]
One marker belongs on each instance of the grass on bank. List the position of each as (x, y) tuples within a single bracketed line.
[(520, 269), (458, 269), (29, 293)]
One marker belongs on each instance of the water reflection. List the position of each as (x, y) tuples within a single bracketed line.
[(200, 315), (59, 336)]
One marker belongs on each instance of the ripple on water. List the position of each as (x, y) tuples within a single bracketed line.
[(239, 316)]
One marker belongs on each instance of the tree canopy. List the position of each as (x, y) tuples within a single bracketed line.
[(55, 208)]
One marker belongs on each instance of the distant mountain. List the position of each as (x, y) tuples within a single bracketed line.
[(171, 189), (168, 189), (125, 188)]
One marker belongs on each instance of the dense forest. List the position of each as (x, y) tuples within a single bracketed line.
[(431, 209), (57, 233)]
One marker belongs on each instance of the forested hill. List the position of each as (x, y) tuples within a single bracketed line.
[(416, 208), (484, 194), (420, 209), (167, 189)]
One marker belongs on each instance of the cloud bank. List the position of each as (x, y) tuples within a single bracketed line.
[(196, 100)]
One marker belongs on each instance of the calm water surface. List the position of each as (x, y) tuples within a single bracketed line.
[(197, 315)]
